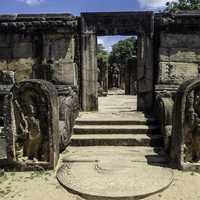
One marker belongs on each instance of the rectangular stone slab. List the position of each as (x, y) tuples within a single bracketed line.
[(177, 72), (180, 40), (179, 55)]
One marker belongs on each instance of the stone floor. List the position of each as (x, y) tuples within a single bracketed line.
[(117, 103), (44, 185)]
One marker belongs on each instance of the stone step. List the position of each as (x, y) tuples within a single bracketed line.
[(96, 153), (125, 118), (116, 140), (116, 121), (116, 129)]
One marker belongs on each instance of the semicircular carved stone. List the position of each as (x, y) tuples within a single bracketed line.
[(68, 112), (31, 125), (185, 148), (164, 109)]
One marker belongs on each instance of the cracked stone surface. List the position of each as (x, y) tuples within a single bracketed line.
[(113, 173)]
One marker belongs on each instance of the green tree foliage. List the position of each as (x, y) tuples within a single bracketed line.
[(102, 54), (182, 5), (123, 51)]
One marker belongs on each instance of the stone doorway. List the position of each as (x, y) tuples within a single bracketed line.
[(117, 73), (117, 23)]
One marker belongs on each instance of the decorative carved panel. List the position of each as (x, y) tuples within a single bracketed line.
[(31, 125), (185, 149)]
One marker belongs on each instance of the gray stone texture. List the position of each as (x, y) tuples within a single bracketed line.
[(177, 72), (185, 144), (179, 57), (31, 125)]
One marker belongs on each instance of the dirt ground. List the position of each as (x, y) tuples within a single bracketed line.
[(44, 186)]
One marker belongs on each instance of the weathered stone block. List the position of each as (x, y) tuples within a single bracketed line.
[(59, 47), (22, 68), (5, 53), (65, 72), (23, 50), (180, 40), (176, 73), (5, 40), (179, 55), (31, 125)]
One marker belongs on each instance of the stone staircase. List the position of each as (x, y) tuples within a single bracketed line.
[(117, 150), (104, 129)]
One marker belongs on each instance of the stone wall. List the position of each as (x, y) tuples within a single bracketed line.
[(176, 61), (29, 41), (177, 41), (58, 50), (16, 54), (179, 57)]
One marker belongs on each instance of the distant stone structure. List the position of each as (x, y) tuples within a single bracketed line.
[(131, 77)]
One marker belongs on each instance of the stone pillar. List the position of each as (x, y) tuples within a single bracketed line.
[(127, 79), (133, 76), (105, 85), (145, 73), (89, 69)]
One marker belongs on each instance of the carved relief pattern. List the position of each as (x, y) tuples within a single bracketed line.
[(185, 144), (31, 135), (31, 125), (192, 127)]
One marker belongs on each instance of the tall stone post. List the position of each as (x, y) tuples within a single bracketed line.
[(145, 73), (89, 68), (106, 78)]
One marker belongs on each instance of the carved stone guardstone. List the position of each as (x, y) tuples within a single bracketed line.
[(68, 112), (31, 125), (185, 148), (163, 109)]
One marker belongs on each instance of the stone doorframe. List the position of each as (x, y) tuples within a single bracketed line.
[(117, 23)]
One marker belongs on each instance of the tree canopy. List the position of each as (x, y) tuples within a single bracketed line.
[(122, 51), (102, 54), (182, 5)]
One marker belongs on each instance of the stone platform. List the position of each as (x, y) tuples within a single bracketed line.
[(114, 172), (117, 103)]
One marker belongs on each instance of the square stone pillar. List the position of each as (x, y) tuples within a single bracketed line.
[(89, 69), (145, 73)]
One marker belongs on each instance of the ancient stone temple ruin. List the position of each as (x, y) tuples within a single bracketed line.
[(49, 99)]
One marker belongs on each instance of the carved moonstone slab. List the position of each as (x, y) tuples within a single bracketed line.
[(31, 125), (111, 174)]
